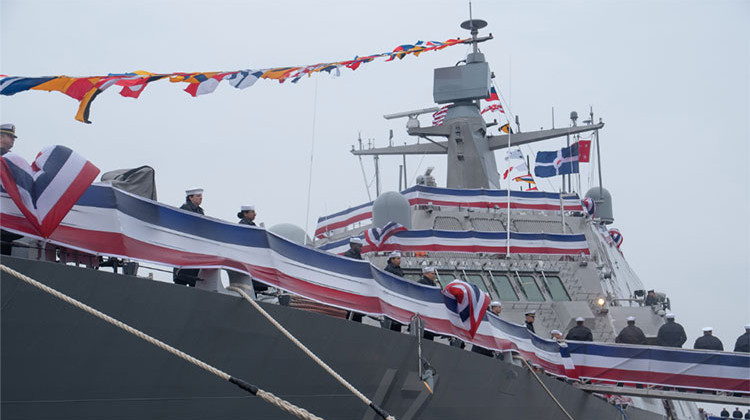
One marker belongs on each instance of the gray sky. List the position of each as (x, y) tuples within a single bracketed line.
[(671, 79)]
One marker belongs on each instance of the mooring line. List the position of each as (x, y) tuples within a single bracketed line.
[(254, 390), (382, 413), (531, 369)]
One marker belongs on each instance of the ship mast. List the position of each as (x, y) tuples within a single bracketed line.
[(470, 151)]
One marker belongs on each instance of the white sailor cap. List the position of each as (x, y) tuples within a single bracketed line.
[(194, 191), (630, 319), (247, 208), (356, 240), (395, 254), (426, 270), (580, 319), (9, 129), (553, 332), (530, 313), (707, 329), (495, 303), (669, 316), (747, 326)]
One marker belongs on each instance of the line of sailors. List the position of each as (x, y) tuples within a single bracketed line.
[(671, 334)]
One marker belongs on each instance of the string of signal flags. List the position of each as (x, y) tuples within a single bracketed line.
[(86, 89)]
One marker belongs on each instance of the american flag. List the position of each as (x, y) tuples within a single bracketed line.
[(466, 305), (376, 236), (439, 116)]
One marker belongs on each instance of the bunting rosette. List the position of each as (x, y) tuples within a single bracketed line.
[(589, 205), (46, 190), (86, 89), (616, 237)]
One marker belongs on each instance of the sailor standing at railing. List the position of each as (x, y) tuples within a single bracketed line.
[(631, 334), (530, 316), (394, 267), (7, 140), (193, 200), (7, 137), (394, 264), (428, 279), (708, 341), (428, 276), (580, 332), (354, 252), (671, 334), (743, 342), (496, 308), (247, 215), (355, 248)]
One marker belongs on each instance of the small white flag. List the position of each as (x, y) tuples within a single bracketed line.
[(514, 154)]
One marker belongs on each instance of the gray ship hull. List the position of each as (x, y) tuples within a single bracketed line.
[(59, 362)]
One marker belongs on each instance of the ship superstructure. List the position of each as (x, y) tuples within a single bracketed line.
[(598, 285)]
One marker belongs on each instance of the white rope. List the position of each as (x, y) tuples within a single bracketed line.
[(312, 355), (544, 386), (264, 395)]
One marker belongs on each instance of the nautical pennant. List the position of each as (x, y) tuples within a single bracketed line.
[(86, 89), (525, 178), (584, 150), (559, 162), (46, 190)]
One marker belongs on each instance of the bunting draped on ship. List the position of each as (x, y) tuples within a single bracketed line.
[(472, 241), (86, 89), (447, 197), (109, 222)]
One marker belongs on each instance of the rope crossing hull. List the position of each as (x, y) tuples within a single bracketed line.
[(59, 362)]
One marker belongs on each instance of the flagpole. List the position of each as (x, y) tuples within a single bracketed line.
[(507, 185), (598, 161), (567, 141)]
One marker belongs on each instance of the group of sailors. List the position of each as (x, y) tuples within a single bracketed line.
[(736, 414), (672, 334), (193, 200)]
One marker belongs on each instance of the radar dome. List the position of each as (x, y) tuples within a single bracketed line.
[(603, 200), (291, 232), (391, 207)]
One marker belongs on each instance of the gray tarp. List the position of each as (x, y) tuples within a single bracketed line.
[(140, 181)]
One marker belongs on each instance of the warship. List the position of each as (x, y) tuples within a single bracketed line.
[(60, 362)]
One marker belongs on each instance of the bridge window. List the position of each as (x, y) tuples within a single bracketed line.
[(530, 289), (503, 287), (476, 280), (556, 288)]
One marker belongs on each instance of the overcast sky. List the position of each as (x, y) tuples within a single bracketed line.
[(671, 80)]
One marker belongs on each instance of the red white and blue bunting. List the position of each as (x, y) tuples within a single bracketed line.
[(472, 242), (447, 197), (109, 222)]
